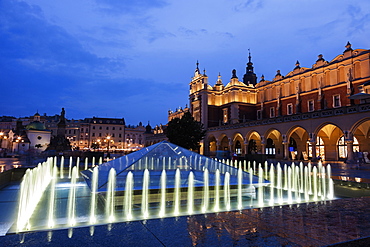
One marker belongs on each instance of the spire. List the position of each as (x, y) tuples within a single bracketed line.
[(219, 80), (249, 76), (197, 72), (348, 47), (234, 74), (297, 65), (320, 57)]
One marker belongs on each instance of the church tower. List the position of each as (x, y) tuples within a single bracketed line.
[(249, 77)]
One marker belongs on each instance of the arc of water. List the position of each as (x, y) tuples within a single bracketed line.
[(272, 185), (205, 191), (162, 206), (86, 163), (289, 177), (129, 195), (251, 183), (94, 187), (70, 167), (305, 189), (191, 193), (52, 198), (227, 191), (71, 209), (145, 195), (330, 183), (62, 167), (285, 177), (217, 191), (78, 165), (323, 183), (111, 189), (260, 188), (240, 187), (314, 183), (177, 193)]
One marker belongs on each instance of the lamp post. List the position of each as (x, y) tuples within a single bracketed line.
[(108, 140)]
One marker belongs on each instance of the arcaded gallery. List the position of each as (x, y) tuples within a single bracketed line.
[(322, 112)]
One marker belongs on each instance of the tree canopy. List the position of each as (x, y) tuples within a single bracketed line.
[(185, 132)]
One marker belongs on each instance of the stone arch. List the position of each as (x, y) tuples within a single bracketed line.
[(253, 140), (297, 146), (361, 130), (238, 144), (223, 147), (211, 143), (329, 133), (273, 143)]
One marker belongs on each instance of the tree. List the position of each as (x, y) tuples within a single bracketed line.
[(185, 132)]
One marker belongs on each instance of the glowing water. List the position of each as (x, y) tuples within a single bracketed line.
[(62, 167), (227, 191), (145, 195), (71, 209), (94, 186), (111, 189), (205, 191), (162, 205), (52, 197), (129, 195), (293, 178), (191, 193), (217, 192), (177, 193)]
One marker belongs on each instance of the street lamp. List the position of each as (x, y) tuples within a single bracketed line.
[(108, 140)]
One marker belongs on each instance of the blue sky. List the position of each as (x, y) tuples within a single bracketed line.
[(134, 59)]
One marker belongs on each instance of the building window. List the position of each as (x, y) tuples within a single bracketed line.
[(342, 147), (224, 115), (119, 135), (107, 128), (259, 114), (93, 134), (113, 128), (289, 109), (93, 127), (100, 127), (336, 100), (82, 129), (272, 112), (311, 105), (99, 134)]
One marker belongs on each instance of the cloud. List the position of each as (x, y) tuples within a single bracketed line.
[(132, 7), (46, 47), (249, 5)]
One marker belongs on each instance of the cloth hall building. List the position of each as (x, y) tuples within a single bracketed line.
[(309, 112)]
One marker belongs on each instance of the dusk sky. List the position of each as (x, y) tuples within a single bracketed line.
[(134, 59)]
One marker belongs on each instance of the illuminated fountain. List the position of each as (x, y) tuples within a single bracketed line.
[(163, 180)]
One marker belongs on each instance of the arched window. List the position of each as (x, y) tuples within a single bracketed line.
[(342, 148), (270, 147), (238, 148), (320, 148)]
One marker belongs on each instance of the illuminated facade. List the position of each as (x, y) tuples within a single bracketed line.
[(319, 111)]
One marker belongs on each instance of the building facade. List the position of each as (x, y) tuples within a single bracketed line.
[(319, 111)]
